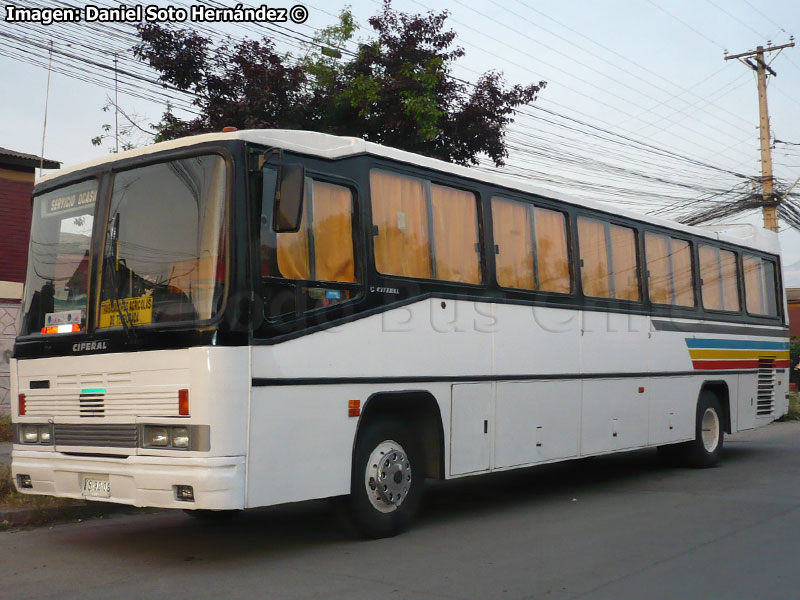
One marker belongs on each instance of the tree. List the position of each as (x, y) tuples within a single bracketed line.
[(131, 134), (397, 88)]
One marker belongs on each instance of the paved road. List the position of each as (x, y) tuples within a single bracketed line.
[(611, 527)]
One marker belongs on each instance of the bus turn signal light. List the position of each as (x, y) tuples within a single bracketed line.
[(67, 328), (353, 408), (21, 408), (183, 403)]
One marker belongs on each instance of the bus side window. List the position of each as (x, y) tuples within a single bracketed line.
[(669, 270), (719, 276), (608, 260), (759, 286), (519, 227), (320, 252), (424, 230)]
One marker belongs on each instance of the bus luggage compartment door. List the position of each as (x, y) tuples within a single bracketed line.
[(470, 428)]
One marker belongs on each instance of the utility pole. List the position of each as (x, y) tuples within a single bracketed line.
[(761, 68)]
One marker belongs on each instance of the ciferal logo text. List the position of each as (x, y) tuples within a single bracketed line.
[(90, 346)]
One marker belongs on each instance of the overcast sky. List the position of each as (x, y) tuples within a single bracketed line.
[(652, 71)]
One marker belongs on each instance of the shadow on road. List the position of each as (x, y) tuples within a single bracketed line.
[(174, 539)]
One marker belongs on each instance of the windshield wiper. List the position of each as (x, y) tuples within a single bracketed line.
[(116, 299)]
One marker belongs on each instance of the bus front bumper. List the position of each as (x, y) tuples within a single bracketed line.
[(217, 482)]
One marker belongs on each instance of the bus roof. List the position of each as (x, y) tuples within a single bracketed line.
[(332, 147)]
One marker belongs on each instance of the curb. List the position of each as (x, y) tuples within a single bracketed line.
[(20, 517)]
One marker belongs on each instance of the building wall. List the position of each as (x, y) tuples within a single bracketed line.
[(16, 187), (15, 222), (794, 319)]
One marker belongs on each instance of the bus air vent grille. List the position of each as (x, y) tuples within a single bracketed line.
[(97, 435), (92, 404), (765, 404)]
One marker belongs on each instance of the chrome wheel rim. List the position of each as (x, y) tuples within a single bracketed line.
[(388, 476), (709, 429)]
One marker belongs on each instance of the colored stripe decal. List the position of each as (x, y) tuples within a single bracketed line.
[(736, 344), (720, 354), (724, 355), (726, 365)]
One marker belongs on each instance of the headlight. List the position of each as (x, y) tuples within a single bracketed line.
[(157, 436), (180, 437), (45, 436), (29, 434)]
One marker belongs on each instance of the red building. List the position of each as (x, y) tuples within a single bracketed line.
[(16, 184)]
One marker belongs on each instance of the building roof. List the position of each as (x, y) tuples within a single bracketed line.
[(793, 295), (12, 157), (333, 147)]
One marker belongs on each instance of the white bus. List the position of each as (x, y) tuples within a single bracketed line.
[(253, 318)]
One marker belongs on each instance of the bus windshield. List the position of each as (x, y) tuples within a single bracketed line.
[(163, 258), (56, 288), (164, 253)]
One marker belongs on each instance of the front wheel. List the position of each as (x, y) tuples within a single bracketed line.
[(387, 478)]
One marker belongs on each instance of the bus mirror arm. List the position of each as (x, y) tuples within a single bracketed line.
[(288, 206)]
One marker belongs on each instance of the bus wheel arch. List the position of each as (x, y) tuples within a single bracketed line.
[(419, 411)]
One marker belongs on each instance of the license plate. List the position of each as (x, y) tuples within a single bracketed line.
[(96, 488)]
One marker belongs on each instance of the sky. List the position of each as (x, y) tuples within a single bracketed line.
[(640, 109)]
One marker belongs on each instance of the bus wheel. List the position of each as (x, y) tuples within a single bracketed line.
[(706, 448), (386, 484)]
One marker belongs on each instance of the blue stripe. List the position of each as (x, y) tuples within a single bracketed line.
[(736, 344)]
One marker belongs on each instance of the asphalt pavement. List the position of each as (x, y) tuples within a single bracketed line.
[(620, 526)]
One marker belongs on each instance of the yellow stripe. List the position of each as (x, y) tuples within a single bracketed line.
[(17, 176), (724, 354)]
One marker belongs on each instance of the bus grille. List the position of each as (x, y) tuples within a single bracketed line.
[(765, 403), (110, 436), (145, 401)]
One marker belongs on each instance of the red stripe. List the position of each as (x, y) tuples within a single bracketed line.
[(724, 365), (727, 365)]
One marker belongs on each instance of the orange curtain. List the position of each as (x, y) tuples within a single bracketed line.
[(333, 233), (658, 270), (730, 287), (551, 251), (512, 235), (626, 273), (594, 258), (292, 249), (709, 274), (753, 285), (455, 234), (399, 210), (682, 277)]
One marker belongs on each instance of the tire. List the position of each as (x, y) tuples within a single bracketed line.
[(709, 436), (385, 449)]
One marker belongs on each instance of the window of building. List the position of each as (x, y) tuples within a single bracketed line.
[(531, 247), (424, 230), (760, 286), (719, 279), (669, 270), (609, 267)]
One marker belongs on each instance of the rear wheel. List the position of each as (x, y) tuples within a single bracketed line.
[(706, 448), (387, 477)]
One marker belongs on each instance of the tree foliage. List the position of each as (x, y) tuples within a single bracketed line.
[(396, 89)]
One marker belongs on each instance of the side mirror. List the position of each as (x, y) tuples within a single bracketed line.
[(288, 206)]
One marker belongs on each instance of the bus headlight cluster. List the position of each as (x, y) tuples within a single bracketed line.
[(165, 436), (34, 433)]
